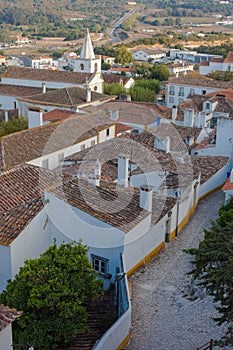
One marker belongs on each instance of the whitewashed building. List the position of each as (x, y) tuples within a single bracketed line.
[(217, 64)]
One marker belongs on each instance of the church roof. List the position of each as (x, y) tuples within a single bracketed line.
[(87, 52)]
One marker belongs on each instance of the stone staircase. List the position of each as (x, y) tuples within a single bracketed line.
[(102, 315)]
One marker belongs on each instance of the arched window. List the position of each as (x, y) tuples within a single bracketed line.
[(82, 66), (95, 88), (96, 67)]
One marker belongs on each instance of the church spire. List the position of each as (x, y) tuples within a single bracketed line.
[(87, 52)]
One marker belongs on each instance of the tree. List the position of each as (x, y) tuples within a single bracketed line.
[(13, 125), (213, 261), (150, 84), (53, 292), (122, 55), (139, 93), (114, 89), (159, 71)]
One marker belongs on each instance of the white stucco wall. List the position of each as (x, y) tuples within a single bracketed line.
[(32, 242), (36, 83), (54, 158), (151, 178), (8, 102), (6, 338), (5, 266)]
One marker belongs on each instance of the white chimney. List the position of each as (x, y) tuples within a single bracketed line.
[(6, 117), (35, 117), (146, 195), (94, 179), (231, 176), (162, 143), (43, 88), (97, 168), (123, 171), (174, 112), (88, 94), (189, 117)]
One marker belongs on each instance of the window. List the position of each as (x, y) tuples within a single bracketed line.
[(171, 99), (82, 66), (96, 67), (45, 163), (95, 88), (82, 147), (181, 100), (92, 143), (207, 105), (100, 264), (172, 90), (203, 92), (181, 91), (192, 92), (107, 132)]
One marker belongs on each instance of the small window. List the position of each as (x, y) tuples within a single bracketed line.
[(192, 92), (82, 66), (108, 132), (203, 92), (92, 143), (82, 147), (171, 99), (45, 163), (100, 264), (95, 88), (96, 66), (207, 105)]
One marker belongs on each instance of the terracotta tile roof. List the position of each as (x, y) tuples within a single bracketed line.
[(114, 78), (204, 63), (121, 128), (68, 97), (228, 186), (196, 79), (122, 69), (119, 208), (45, 75), (22, 184), (57, 114), (217, 60), (22, 190), (228, 93), (19, 91), (229, 58), (7, 316), (208, 165), (133, 112), (23, 146), (13, 221)]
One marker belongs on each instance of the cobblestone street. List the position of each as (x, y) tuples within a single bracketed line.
[(162, 317)]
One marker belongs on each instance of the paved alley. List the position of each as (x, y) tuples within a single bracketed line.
[(163, 317)]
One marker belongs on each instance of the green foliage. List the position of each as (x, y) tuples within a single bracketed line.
[(53, 292), (150, 84), (57, 54), (114, 89), (13, 125), (223, 76), (142, 94), (160, 72), (122, 55), (213, 261)]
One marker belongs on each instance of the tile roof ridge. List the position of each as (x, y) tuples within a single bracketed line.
[(69, 97)]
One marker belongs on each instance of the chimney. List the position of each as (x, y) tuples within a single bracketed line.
[(114, 115), (162, 144), (146, 195), (174, 112), (231, 176), (97, 168), (35, 117), (88, 94), (43, 88), (94, 179), (123, 171), (6, 117), (189, 117)]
